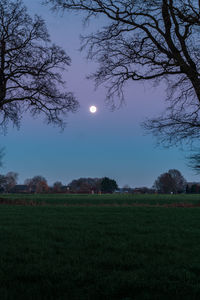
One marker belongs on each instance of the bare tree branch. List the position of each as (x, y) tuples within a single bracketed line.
[(154, 40), (30, 69)]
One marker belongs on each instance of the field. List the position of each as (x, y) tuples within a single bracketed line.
[(106, 199), (77, 247)]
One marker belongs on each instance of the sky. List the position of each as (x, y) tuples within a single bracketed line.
[(107, 143)]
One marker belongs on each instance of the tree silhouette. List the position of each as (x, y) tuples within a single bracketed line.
[(29, 68), (194, 162), (37, 184), (150, 40), (8, 181), (108, 185), (170, 182), (85, 185), (57, 186)]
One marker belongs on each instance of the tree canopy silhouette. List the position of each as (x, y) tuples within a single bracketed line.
[(30, 66), (150, 40), (108, 185), (170, 182)]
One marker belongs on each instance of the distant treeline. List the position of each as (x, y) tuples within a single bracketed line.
[(193, 188), (38, 184), (171, 182)]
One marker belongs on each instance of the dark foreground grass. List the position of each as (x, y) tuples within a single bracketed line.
[(97, 253), (119, 199)]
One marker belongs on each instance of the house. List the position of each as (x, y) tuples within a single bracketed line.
[(20, 189)]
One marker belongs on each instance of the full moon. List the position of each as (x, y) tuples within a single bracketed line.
[(93, 109)]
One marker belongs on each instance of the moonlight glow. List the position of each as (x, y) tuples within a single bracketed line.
[(93, 109)]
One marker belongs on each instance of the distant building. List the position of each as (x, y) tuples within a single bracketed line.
[(20, 189), (24, 189)]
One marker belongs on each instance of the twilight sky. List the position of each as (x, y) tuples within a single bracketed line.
[(104, 144)]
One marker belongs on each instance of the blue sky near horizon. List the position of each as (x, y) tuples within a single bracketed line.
[(108, 143)]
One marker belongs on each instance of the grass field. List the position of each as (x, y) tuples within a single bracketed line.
[(83, 199), (94, 253)]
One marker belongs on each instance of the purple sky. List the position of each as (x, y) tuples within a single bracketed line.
[(105, 144)]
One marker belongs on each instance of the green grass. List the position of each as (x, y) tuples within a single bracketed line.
[(61, 199), (95, 253)]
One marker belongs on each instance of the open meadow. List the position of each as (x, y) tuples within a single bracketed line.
[(100, 247), (104, 199)]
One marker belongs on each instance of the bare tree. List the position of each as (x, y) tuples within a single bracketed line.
[(150, 40), (170, 182), (2, 183), (85, 185), (194, 162), (57, 186), (164, 183), (37, 184), (179, 181), (10, 180), (30, 66)]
